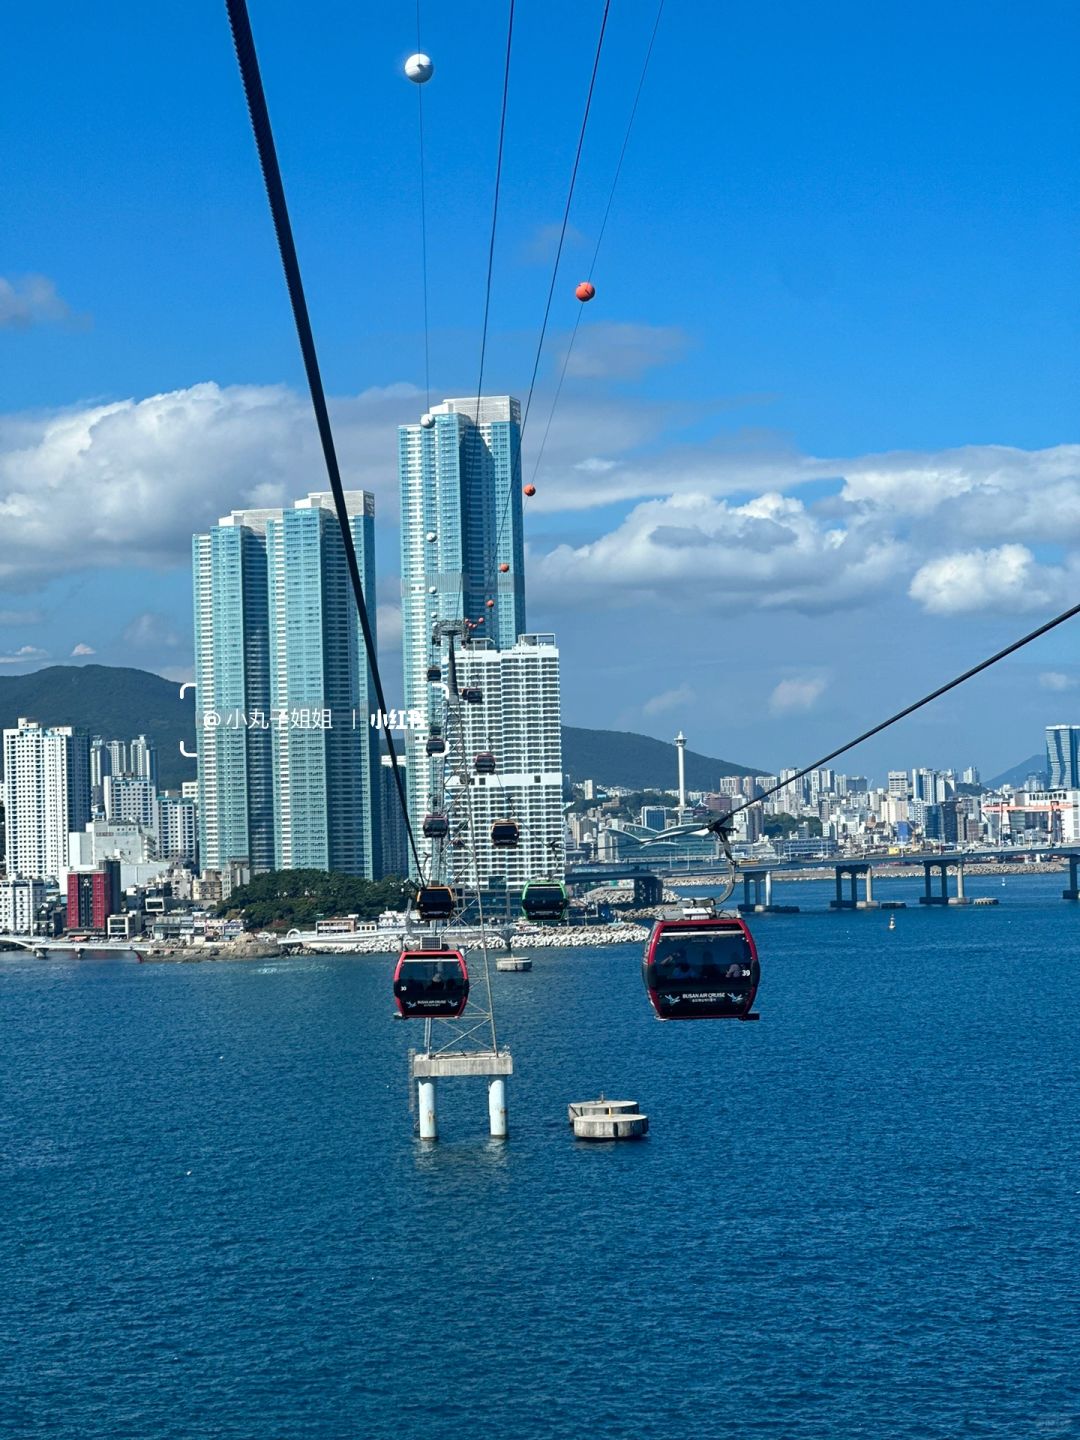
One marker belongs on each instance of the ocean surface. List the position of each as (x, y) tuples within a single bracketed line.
[(858, 1218)]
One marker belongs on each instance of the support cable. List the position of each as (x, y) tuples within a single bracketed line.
[(600, 235), (240, 24), (423, 224), (907, 710), (566, 212), (495, 210)]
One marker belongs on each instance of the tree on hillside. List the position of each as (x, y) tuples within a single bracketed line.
[(284, 898)]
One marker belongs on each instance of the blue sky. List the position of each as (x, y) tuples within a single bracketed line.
[(817, 446)]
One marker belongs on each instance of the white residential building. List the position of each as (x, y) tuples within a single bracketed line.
[(47, 778), (19, 903), (518, 720)]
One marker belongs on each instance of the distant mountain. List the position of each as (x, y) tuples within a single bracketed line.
[(638, 762), (119, 703), (1033, 765), (108, 700)]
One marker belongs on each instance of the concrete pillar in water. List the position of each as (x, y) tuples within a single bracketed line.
[(959, 882), (497, 1107), (768, 888), (425, 1089), (869, 887)]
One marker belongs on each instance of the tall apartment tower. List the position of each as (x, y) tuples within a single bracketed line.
[(47, 787), (519, 720), (287, 757), (1063, 757), (460, 472)]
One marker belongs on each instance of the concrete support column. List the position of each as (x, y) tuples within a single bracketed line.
[(425, 1091), (854, 890), (869, 887), (497, 1107), (944, 883), (768, 888), (926, 878), (960, 882), (839, 887)]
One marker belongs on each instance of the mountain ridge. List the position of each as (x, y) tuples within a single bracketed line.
[(120, 702)]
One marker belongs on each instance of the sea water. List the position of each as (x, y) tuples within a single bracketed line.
[(857, 1218)]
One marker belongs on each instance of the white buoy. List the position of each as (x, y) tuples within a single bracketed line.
[(419, 69)]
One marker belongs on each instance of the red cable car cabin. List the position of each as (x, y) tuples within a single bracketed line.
[(701, 969), (431, 984)]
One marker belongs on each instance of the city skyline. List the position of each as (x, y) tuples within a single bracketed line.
[(823, 443)]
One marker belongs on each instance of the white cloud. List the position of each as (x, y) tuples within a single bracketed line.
[(610, 350), (796, 695), (21, 617), (1003, 579), (389, 625), (669, 700), (690, 550), (1055, 680), (82, 649), (151, 631), (83, 482), (30, 300), (25, 655)]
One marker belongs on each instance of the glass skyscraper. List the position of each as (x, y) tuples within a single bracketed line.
[(460, 472), (1063, 757), (287, 756)]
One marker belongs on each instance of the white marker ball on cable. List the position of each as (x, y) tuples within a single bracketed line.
[(432, 589), (427, 421), (419, 69), (431, 537)]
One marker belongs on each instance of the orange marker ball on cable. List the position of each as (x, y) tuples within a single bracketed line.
[(585, 291), (504, 568), (530, 489), (489, 603)]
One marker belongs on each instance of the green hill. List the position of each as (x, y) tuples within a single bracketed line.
[(108, 700), (638, 762), (118, 703)]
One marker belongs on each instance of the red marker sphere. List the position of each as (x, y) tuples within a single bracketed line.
[(489, 603), (585, 291), (504, 568), (530, 489)]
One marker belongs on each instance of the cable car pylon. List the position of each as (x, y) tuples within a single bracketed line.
[(449, 992)]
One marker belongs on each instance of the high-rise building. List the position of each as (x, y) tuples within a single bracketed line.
[(142, 759), (518, 721), (133, 800), (1063, 757), (47, 785), (460, 473), (178, 823), (93, 895), (287, 757), (899, 785)]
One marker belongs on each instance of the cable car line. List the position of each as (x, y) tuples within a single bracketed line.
[(566, 213), (1069, 614), (600, 235), (495, 210), (423, 224), (244, 43)]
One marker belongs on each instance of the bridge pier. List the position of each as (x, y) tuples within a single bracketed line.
[(944, 898), (1072, 893), (851, 870), (762, 902)]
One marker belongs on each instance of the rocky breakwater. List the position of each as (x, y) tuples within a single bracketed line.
[(244, 947), (573, 937)]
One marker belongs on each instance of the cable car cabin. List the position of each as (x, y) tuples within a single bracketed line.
[(701, 969), (436, 745), (505, 834), (431, 984), (544, 900), (484, 763), (436, 827), (435, 902), (434, 674), (471, 695)]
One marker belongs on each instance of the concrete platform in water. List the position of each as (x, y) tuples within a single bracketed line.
[(513, 962), (607, 1120)]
